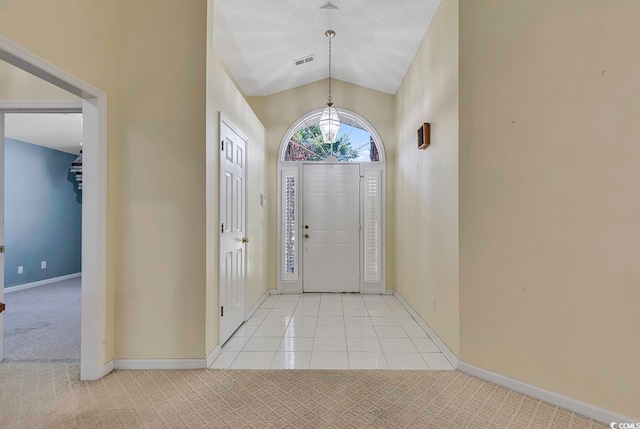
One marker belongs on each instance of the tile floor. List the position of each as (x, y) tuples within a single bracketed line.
[(331, 331)]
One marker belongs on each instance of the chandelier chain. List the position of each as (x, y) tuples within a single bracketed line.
[(330, 68)]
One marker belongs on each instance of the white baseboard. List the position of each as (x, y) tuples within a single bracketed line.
[(41, 283), (107, 368), (213, 356), (574, 405), (273, 292), (257, 305), (159, 363), (451, 356)]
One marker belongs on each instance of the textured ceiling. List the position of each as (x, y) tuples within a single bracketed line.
[(376, 40), (53, 130)]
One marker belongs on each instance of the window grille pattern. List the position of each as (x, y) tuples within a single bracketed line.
[(289, 224)]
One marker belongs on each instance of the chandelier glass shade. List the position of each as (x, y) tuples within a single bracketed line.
[(329, 120)]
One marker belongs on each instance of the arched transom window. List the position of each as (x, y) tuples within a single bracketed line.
[(357, 141)]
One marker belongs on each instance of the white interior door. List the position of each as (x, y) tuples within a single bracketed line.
[(1, 231), (331, 231), (233, 231)]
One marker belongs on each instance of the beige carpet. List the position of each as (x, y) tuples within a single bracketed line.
[(49, 395)]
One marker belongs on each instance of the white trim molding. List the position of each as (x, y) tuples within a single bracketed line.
[(552, 398), (108, 368), (451, 356), (159, 363), (41, 283), (211, 357)]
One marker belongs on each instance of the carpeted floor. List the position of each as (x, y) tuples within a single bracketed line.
[(43, 323), (49, 395)]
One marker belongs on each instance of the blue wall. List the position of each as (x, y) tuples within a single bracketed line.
[(42, 214)]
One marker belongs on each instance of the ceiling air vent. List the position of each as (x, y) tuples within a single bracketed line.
[(301, 61)]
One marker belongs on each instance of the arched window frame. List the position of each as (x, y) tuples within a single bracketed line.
[(312, 117)]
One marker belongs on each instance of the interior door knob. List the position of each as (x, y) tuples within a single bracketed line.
[(245, 240)]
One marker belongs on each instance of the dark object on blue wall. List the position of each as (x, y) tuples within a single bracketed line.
[(43, 217)]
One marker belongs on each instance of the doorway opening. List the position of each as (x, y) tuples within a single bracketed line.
[(93, 104), (331, 208), (43, 229)]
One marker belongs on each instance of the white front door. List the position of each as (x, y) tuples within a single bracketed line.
[(233, 231), (331, 228)]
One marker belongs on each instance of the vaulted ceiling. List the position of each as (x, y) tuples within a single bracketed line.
[(376, 40)]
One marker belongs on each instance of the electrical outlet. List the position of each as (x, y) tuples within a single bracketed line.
[(20, 269), (43, 265), (433, 303)]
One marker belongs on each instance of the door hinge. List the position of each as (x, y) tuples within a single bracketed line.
[(222, 145), (222, 311), (2, 249), (222, 229)]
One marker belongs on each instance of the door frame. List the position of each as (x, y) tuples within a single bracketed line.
[(227, 122), (93, 335)]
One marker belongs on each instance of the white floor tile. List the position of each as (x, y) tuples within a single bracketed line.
[(330, 331), (330, 321), (355, 312), (425, 345), (330, 313), (281, 312), (309, 303), (296, 344), (286, 304), (436, 361), (300, 331), (329, 360), (235, 344), (408, 322), (245, 331), (357, 321), (360, 360), (290, 297), (304, 321), (337, 306), (253, 360), (270, 331), (258, 344), (361, 331), (225, 360), (254, 321), (363, 345), (397, 345), (414, 332), (262, 312), (291, 360), (276, 321), (390, 332), (405, 361), (400, 312), (384, 321), (331, 298), (306, 312), (381, 312), (329, 345)]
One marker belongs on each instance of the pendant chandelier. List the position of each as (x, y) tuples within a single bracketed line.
[(329, 121)]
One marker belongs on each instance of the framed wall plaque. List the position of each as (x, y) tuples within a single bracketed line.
[(424, 136)]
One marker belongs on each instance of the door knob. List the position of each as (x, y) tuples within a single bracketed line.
[(306, 236), (306, 227), (245, 240)]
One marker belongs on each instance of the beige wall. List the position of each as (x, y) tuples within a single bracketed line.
[(223, 96), (549, 207), (279, 111), (16, 84), (161, 99), (426, 187)]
